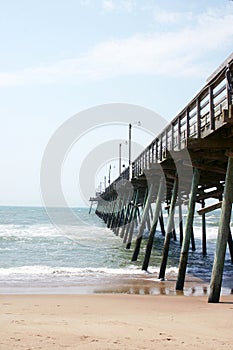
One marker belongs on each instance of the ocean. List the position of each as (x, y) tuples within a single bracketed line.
[(83, 256)]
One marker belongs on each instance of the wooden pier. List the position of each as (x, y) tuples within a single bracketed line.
[(189, 162)]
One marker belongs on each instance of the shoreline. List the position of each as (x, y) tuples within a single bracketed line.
[(136, 285), (114, 321)]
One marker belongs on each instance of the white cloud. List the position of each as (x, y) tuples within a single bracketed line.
[(164, 17), (179, 53), (119, 5), (108, 5)]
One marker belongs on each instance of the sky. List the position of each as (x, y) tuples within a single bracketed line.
[(59, 58)]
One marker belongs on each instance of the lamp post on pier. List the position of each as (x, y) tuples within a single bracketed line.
[(130, 148), (120, 145)]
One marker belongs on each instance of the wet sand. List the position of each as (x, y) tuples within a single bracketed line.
[(114, 321)]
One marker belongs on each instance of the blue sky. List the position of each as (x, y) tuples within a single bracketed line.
[(61, 57)]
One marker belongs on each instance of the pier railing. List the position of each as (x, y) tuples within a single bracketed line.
[(198, 119)]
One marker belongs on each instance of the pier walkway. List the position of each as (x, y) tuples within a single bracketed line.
[(188, 163)]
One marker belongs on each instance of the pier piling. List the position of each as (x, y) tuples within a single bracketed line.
[(223, 235), (153, 225), (145, 215), (188, 231), (170, 230)]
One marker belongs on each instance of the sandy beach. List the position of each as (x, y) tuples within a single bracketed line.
[(114, 321)]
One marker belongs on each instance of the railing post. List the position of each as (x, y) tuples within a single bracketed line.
[(211, 106), (187, 123), (156, 151), (179, 131), (229, 86), (198, 118), (172, 137)]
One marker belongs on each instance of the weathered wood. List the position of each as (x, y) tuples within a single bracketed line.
[(209, 208), (153, 225), (170, 228), (223, 234), (211, 104), (230, 245), (181, 224), (188, 232), (193, 245), (143, 222), (204, 250), (209, 144), (112, 213), (129, 230), (126, 214), (90, 207), (121, 214), (161, 222), (212, 194), (174, 230)]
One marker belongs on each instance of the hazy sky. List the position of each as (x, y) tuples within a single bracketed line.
[(60, 57)]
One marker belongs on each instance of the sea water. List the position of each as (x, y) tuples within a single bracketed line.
[(77, 256)]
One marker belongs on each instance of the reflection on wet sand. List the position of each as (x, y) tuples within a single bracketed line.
[(156, 288)]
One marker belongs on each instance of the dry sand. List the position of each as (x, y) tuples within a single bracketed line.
[(115, 322)]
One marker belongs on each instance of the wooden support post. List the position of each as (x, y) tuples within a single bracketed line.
[(170, 228), (115, 213), (129, 236), (153, 225), (148, 222), (126, 214), (131, 216), (174, 230), (223, 235), (138, 217), (116, 221), (230, 245), (188, 232), (148, 219), (112, 213), (151, 212), (181, 223), (142, 224), (121, 214), (97, 208), (193, 245), (161, 221), (90, 207), (204, 250)]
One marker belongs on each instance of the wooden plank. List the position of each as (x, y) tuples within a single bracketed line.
[(210, 208), (213, 143), (212, 194), (209, 168)]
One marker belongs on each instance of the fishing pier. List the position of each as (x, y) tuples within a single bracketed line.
[(189, 162)]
